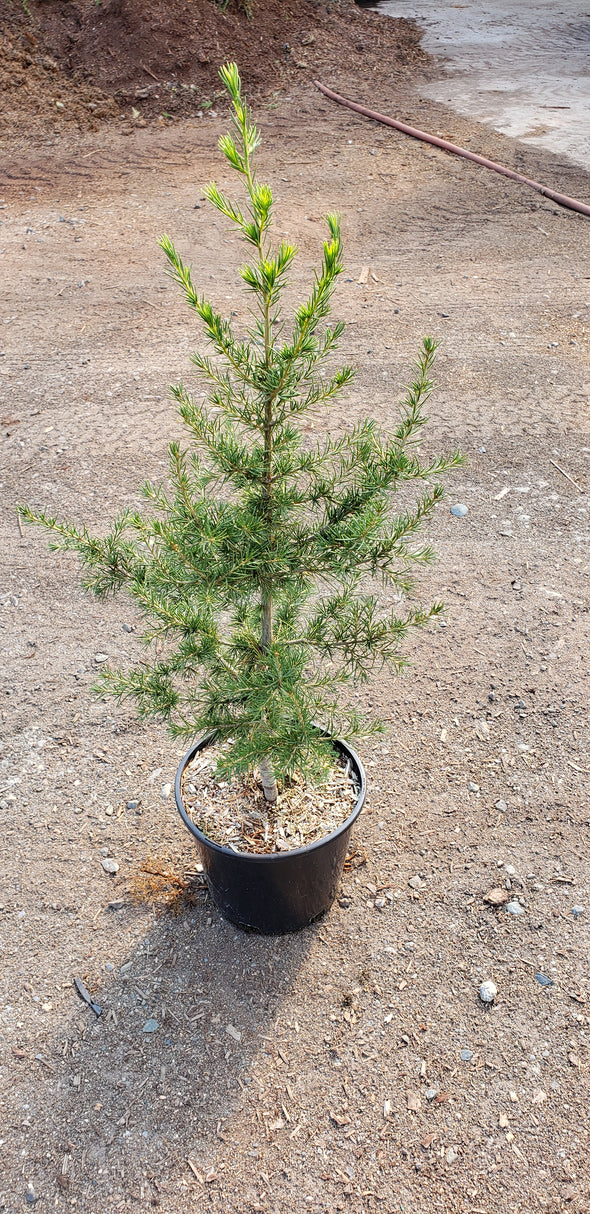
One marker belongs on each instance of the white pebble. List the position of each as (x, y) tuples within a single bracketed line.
[(110, 866), (488, 991), (165, 791)]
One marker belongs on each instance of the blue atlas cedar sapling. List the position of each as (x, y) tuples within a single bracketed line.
[(257, 566)]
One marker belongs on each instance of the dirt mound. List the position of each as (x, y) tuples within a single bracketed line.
[(77, 61), (37, 95)]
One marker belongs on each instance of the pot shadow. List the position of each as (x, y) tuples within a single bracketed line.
[(127, 1104)]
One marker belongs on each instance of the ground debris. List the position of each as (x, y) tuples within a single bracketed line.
[(87, 997), (164, 883)]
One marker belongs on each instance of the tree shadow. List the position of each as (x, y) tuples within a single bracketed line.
[(146, 1086)]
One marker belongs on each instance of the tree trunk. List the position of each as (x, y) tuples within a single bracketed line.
[(267, 774), (269, 783)]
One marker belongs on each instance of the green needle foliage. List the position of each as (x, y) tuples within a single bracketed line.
[(257, 570)]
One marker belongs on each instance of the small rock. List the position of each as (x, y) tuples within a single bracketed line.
[(128, 628), (415, 883), (380, 903), (154, 776), (99, 658), (30, 1195), (451, 1155), (488, 991), (466, 1055), (431, 1093), (104, 851), (501, 806), (165, 791), (233, 1032), (577, 911), (514, 908), (496, 897), (510, 870), (543, 980), (110, 865), (539, 1096), (459, 510), (151, 1026), (471, 787), (132, 804), (109, 967)]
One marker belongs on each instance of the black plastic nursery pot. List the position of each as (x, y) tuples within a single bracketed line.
[(281, 892)]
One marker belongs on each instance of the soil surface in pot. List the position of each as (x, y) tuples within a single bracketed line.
[(235, 814)]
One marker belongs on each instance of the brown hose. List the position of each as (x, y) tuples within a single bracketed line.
[(572, 203)]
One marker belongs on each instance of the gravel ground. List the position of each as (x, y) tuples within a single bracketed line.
[(352, 1067)]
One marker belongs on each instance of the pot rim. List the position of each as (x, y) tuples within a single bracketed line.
[(265, 857)]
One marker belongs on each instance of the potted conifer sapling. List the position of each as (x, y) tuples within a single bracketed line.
[(257, 569)]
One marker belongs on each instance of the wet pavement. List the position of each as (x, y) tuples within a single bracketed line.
[(523, 69)]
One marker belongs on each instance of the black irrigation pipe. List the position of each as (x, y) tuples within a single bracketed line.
[(562, 199)]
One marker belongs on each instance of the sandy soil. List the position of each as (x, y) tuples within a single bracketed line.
[(322, 1072)]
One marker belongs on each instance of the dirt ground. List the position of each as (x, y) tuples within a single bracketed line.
[(73, 64), (351, 1067)]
